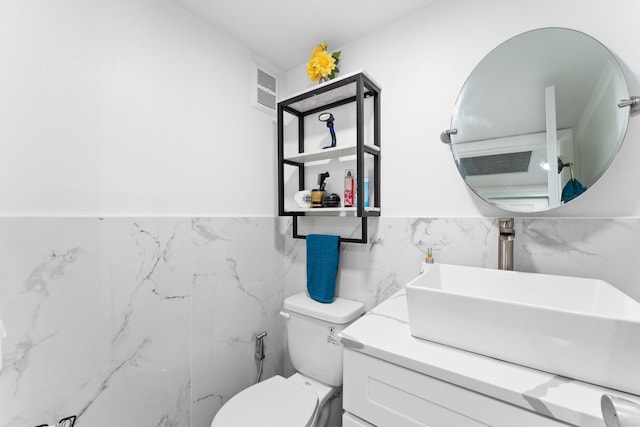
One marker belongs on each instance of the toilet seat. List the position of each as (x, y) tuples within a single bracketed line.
[(276, 402)]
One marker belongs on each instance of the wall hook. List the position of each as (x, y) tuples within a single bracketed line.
[(562, 165)]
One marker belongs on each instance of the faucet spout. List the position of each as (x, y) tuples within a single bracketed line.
[(506, 236)]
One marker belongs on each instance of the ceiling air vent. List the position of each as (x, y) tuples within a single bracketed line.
[(495, 164), (264, 91)]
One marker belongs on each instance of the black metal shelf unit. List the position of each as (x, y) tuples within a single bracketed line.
[(351, 88)]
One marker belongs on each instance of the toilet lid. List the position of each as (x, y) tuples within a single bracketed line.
[(276, 402)]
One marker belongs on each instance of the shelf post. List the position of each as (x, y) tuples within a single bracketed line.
[(280, 161), (376, 142), (360, 164), (301, 150)]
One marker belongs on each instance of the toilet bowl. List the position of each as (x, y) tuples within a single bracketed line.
[(276, 402), (301, 400)]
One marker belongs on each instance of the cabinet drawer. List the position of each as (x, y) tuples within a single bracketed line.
[(385, 394), (349, 420)]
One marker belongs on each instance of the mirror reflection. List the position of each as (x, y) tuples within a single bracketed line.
[(537, 120)]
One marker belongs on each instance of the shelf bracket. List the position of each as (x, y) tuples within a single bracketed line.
[(363, 237)]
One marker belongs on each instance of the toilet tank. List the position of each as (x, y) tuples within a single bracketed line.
[(312, 331)]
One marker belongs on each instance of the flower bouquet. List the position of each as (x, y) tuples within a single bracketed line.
[(322, 64)]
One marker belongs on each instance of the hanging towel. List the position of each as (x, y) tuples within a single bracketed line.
[(571, 190), (323, 255)]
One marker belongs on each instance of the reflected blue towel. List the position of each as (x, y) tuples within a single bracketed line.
[(571, 190), (323, 255)]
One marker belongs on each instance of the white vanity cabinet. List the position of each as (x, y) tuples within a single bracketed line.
[(383, 394), (350, 420)]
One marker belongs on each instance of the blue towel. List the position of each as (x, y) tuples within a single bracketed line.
[(571, 190), (323, 255)]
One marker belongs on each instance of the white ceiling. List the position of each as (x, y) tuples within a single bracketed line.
[(285, 31)]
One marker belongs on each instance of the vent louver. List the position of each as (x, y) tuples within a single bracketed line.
[(267, 99), (267, 81), (495, 164), (264, 90)]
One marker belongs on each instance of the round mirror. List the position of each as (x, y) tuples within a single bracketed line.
[(537, 120)]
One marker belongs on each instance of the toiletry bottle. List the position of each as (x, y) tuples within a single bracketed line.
[(349, 188), (366, 188)]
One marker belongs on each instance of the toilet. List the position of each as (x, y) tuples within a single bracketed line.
[(316, 354)]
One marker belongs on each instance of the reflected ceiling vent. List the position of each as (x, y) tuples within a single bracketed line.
[(495, 164), (264, 90)]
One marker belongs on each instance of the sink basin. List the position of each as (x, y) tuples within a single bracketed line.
[(584, 329)]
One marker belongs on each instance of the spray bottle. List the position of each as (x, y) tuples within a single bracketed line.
[(349, 188)]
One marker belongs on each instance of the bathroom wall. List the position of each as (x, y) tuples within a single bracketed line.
[(128, 108), (129, 292), (600, 248), (135, 321), (138, 259), (421, 64)]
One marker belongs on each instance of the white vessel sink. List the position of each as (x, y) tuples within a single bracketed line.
[(584, 329)]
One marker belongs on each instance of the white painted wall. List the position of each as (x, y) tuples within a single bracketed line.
[(128, 108), (423, 61), (139, 108)]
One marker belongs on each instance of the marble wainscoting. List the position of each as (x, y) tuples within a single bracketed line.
[(603, 248), (237, 294), (135, 321), (150, 321)]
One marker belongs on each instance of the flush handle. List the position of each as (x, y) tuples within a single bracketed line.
[(285, 314)]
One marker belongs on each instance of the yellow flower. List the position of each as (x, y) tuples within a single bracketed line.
[(322, 64), (319, 49)]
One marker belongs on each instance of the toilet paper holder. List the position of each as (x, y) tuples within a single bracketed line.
[(65, 422)]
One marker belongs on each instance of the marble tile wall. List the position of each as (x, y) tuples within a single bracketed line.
[(150, 321), (135, 321), (603, 248), (237, 293)]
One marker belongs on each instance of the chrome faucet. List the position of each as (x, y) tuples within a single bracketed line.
[(505, 243)]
